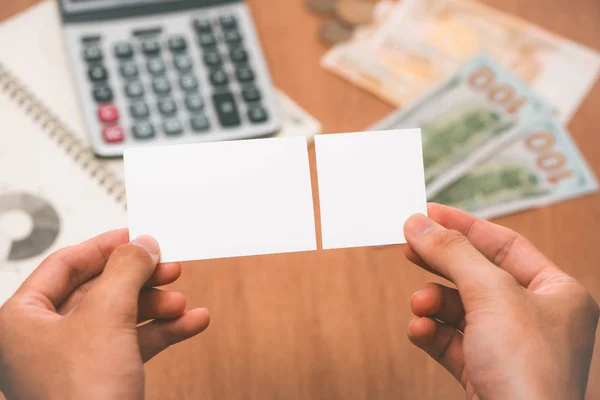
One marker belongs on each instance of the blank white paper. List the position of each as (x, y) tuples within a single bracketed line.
[(222, 199), (370, 183)]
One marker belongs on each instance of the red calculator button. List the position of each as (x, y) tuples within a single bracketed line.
[(108, 113), (113, 134)]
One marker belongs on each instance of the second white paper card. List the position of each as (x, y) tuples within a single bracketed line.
[(369, 184), (223, 199)]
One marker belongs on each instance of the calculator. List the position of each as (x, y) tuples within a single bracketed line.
[(154, 72)]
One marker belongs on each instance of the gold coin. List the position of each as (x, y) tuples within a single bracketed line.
[(354, 12), (333, 32), (322, 6)]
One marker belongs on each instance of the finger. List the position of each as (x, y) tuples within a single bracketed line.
[(128, 268), (158, 335), (413, 257), (449, 253), (164, 274), (158, 304), (64, 271), (502, 246), (441, 303), (442, 342)]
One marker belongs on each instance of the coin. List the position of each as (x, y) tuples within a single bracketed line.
[(333, 32), (322, 6), (354, 12)]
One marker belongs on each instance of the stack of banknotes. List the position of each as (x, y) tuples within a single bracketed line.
[(491, 94)]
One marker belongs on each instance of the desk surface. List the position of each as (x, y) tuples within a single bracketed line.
[(331, 325)]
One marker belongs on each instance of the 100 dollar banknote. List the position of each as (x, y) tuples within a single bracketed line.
[(466, 119), (543, 167)]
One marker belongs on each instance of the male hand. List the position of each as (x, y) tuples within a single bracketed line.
[(71, 331), (516, 328)]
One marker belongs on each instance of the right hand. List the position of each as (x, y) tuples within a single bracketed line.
[(516, 327)]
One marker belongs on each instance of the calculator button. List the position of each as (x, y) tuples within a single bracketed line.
[(139, 110), (244, 74), (228, 21), (143, 130), (194, 102), (108, 113), (151, 47), (156, 66), (113, 134), (189, 83), (161, 86), (93, 54), (219, 77), (129, 70), (172, 126), (134, 89), (227, 110), (177, 43), (200, 123), (257, 114), (232, 36), (251, 94), (238, 55), (103, 94), (98, 73), (207, 39), (167, 106), (183, 63), (203, 26), (212, 58), (123, 50)]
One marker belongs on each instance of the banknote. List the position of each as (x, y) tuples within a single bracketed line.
[(542, 167), (465, 119), (295, 121), (421, 42)]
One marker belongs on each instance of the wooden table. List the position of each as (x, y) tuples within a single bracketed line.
[(331, 325)]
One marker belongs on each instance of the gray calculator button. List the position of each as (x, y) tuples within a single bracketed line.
[(251, 94), (219, 77), (177, 43), (257, 114), (123, 50), (129, 70), (161, 85), (172, 126), (103, 94), (212, 58), (156, 66), (167, 106), (189, 83), (143, 130), (227, 110), (203, 26), (238, 55), (244, 74), (134, 89), (183, 63), (93, 54), (151, 47), (200, 123), (207, 39), (98, 73), (194, 102), (139, 110), (232, 36), (228, 21)]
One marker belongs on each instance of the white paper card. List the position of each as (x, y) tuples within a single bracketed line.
[(223, 199), (369, 184)]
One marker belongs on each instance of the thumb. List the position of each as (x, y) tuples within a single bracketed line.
[(128, 268)]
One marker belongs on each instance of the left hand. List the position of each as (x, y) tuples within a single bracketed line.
[(71, 331)]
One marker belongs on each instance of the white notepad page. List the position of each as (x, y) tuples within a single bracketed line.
[(369, 184), (223, 199)]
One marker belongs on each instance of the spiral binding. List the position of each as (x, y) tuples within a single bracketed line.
[(64, 138)]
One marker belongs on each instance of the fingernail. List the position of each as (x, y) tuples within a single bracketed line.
[(150, 244), (418, 225), (418, 292)]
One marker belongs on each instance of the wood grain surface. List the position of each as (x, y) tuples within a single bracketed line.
[(331, 324)]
